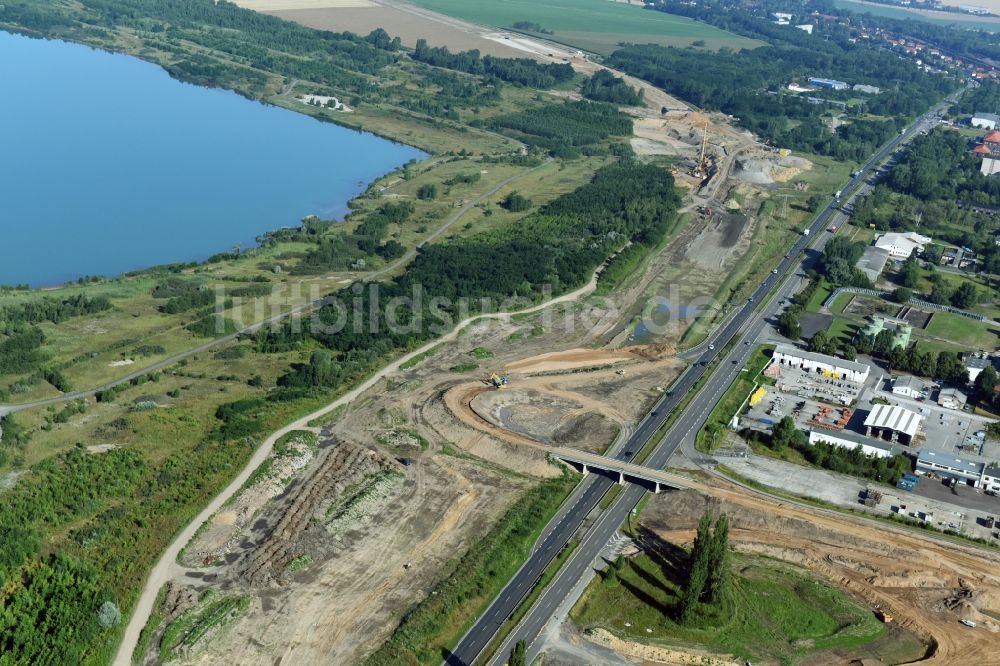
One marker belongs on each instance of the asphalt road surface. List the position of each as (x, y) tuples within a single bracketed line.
[(569, 520)]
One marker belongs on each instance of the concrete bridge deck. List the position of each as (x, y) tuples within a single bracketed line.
[(625, 470)]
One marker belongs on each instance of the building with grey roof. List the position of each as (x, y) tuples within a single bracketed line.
[(851, 440), (951, 466), (985, 120), (873, 261), (909, 386), (952, 398)]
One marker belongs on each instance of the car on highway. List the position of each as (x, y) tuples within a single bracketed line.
[(775, 271), (711, 346)]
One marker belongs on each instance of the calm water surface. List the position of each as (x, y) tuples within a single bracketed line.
[(109, 165)]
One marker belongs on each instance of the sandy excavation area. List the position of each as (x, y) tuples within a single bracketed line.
[(927, 586), (337, 542), (374, 537)]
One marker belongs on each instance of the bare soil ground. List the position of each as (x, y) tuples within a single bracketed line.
[(358, 575), (361, 573), (926, 585), (405, 21), (280, 5)]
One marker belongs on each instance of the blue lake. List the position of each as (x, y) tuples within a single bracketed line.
[(109, 165)]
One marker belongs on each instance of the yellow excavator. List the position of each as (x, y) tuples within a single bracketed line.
[(497, 381)]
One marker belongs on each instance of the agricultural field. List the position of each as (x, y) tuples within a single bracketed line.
[(400, 20), (967, 21), (598, 26)]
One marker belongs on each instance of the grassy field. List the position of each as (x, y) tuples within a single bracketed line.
[(964, 331), (967, 21), (591, 25), (780, 613), (713, 432), (822, 292)]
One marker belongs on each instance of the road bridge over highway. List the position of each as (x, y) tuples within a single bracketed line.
[(655, 479)]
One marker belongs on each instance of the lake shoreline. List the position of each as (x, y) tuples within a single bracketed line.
[(216, 226)]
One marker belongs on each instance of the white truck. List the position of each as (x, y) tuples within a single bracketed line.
[(805, 232)]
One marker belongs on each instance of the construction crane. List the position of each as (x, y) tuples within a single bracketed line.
[(497, 381), (702, 167)]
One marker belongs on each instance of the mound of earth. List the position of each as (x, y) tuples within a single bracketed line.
[(546, 418)]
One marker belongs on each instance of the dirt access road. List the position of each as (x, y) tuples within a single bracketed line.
[(166, 567)]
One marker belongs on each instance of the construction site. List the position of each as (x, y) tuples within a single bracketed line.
[(338, 539)]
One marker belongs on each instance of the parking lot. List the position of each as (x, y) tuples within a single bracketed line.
[(809, 398), (964, 511)]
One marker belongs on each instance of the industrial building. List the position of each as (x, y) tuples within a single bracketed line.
[(952, 398), (991, 479), (902, 245), (871, 90), (850, 440), (976, 363), (985, 120), (806, 27), (950, 466), (830, 366), (873, 261), (892, 423), (829, 83), (989, 166), (901, 330), (909, 386)]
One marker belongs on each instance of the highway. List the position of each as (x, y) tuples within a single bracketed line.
[(717, 379)]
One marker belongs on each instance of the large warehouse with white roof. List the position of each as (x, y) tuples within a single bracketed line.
[(892, 423)]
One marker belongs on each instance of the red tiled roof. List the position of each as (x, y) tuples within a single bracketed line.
[(981, 150), (992, 137)]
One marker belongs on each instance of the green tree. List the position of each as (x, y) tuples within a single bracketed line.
[(909, 274), (822, 343), (788, 324), (516, 203), (698, 571), (427, 192), (785, 434), (719, 571), (986, 383), (965, 296), (941, 292), (902, 295), (518, 654)]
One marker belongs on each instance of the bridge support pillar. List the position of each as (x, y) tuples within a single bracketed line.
[(621, 478), (585, 470), (656, 491)]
